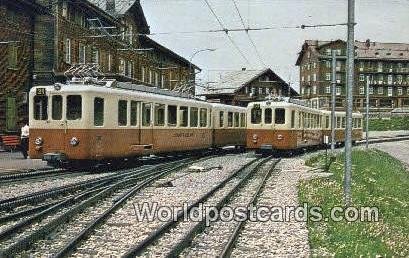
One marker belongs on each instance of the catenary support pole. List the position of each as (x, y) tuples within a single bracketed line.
[(349, 91), (367, 113), (333, 85)]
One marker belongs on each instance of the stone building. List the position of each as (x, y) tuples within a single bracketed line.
[(48, 37), (244, 86), (384, 65), (16, 59)]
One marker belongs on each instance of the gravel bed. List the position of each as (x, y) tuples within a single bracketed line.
[(123, 230), (273, 238), (211, 242), (23, 188)]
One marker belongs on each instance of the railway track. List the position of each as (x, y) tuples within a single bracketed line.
[(50, 218), (161, 242)]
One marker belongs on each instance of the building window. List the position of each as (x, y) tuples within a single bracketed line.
[(400, 91), (308, 66), (390, 91), (150, 77), (82, 52), (361, 90), (380, 90), (109, 62), (64, 11), (162, 81), (12, 55), (121, 68), (314, 65), (390, 79), (328, 51), (407, 90), (327, 89), (143, 73), (130, 69), (328, 64), (314, 77), (380, 78), (314, 89), (370, 90), (156, 79), (339, 52), (302, 79), (399, 79), (338, 90), (380, 66), (95, 55), (361, 78), (309, 78), (327, 76), (68, 51)]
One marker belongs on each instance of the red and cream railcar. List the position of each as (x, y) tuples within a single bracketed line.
[(229, 124), (340, 122), (86, 121), (285, 126)]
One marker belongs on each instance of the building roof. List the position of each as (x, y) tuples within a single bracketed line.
[(232, 81), (123, 7), (364, 49), (147, 42)]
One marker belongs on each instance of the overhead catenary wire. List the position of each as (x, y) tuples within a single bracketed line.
[(248, 35), (226, 32)]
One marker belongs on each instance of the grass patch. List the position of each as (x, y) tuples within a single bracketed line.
[(380, 181), (395, 123)]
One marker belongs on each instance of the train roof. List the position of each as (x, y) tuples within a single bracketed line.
[(284, 102)]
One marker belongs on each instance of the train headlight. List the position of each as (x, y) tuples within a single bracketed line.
[(74, 141), (280, 137), (255, 138), (39, 141)]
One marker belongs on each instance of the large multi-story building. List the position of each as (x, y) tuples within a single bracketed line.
[(384, 65), (244, 86), (41, 39)]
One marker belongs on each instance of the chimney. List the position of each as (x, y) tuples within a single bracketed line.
[(243, 69), (367, 43), (110, 6)]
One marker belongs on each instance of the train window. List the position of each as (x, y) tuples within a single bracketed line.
[(243, 119), (221, 119), (203, 117), (159, 115), (122, 112), (134, 113), (98, 111), (230, 119), (236, 119), (279, 116), (56, 109), (40, 107), (172, 115), (256, 115), (74, 107), (183, 116), (293, 119), (268, 116), (146, 114), (194, 117)]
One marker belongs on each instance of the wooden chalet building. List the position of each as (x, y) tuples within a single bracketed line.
[(42, 39), (244, 86), (17, 19)]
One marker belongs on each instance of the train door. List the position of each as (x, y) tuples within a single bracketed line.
[(146, 130), (58, 107)]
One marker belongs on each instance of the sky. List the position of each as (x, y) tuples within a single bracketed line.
[(377, 20)]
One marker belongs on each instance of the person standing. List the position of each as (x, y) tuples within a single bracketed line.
[(24, 139)]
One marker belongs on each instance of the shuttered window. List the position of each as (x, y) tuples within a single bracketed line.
[(11, 114)]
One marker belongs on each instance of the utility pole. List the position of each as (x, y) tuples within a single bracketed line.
[(367, 112), (333, 85), (349, 91)]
